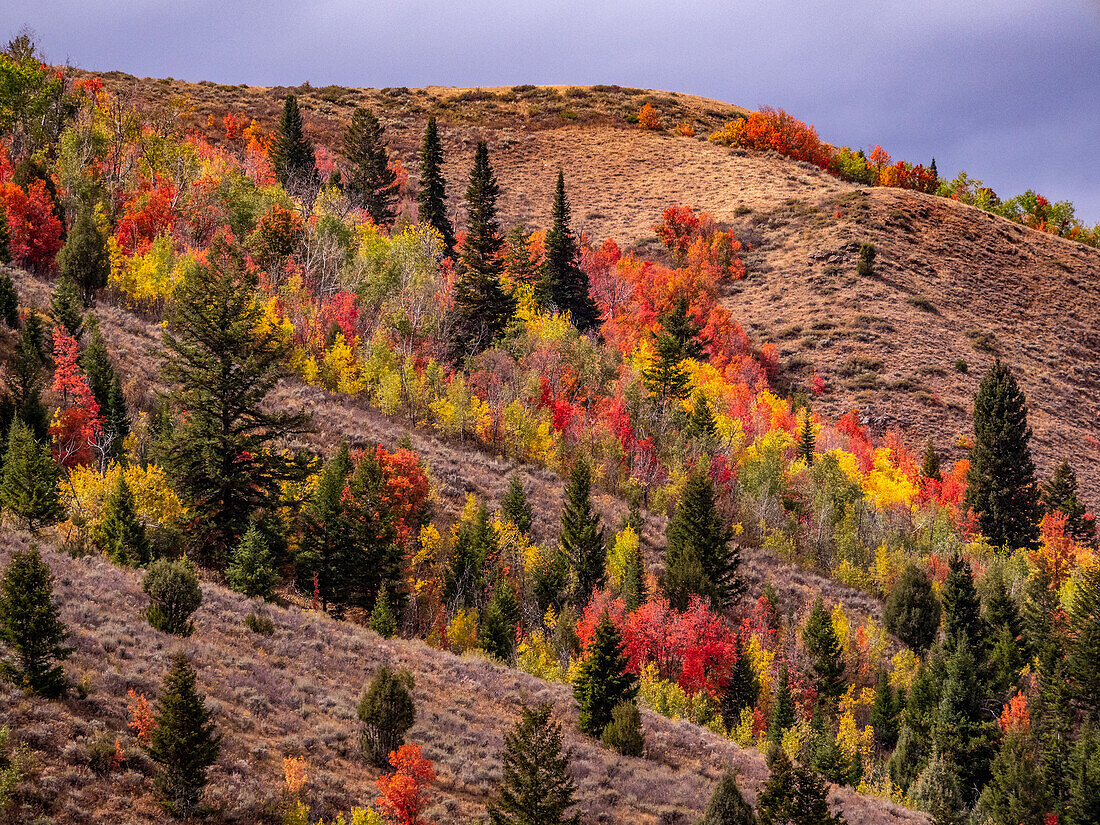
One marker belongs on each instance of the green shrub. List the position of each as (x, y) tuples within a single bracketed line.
[(174, 594), (962, 366), (624, 732), (258, 623), (387, 712), (866, 266)]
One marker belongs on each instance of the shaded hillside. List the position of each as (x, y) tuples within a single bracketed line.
[(294, 693)]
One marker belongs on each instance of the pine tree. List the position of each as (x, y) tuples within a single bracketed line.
[(5, 238), (9, 298), (520, 265), (603, 681), (1083, 807), (885, 713), (382, 620), (292, 153), (679, 325), (30, 625), (498, 628), (514, 506), (961, 730), (698, 557), (1084, 652), (742, 688), (369, 181), (1000, 484), (930, 462), (727, 806), (67, 306), (665, 377), (174, 594), (475, 548), (582, 539), (913, 609), (252, 566), (25, 377), (220, 364), (937, 790), (962, 609), (633, 589), (782, 715), (807, 441), (702, 426), (386, 711), (1059, 493), (376, 556), (794, 795), (29, 488), (866, 266), (432, 197), (1014, 794), (482, 308), (185, 742), (116, 418), (84, 257), (566, 283), (821, 643), (1052, 724), (537, 788), (325, 550), (121, 535)]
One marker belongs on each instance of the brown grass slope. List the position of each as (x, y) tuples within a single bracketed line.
[(295, 693)]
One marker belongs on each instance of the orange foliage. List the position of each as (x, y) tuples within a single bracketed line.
[(142, 722), (649, 119), (78, 423), (685, 129), (402, 792), (146, 216), (776, 130), (1015, 715), (1057, 550), (294, 774)]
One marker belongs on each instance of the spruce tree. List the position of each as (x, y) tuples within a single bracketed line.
[(84, 257), (369, 181), (727, 806), (698, 557), (1015, 794), (184, 743), (292, 152), (29, 487), (116, 418), (325, 551), (515, 507), (377, 555), (702, 425), (482, 308), (106, 386), (582, 539), (386, 711), (520, 265), (1083, 807), (5, 238), (1084, 652), (962, 609), (603, 681), (807, 441), (382, 620), (680, 325), (937, 791), (432, 197), (742, 688), (537, 788), (220, 364), (962, 731), (1059, 493), (1000, 484), (30, 625), (633, 589), (913, 609), (885, 713), (794, 795), (497, 636), (782, 715), (930, 462), (25, 377), (9, 299), (665, 376), (252, 566), (121, 535), (566, 282), (67, 306), (475, 549), (1052, 718), (821, 643)]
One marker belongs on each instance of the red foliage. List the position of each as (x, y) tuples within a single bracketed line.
[(402, 799), (78, 422), (775, 129), (677, 229), (142, 721), (406, 489), (146, 216), (35, 231), (342, 310)]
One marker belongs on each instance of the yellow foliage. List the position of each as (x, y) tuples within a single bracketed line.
[(462, 631), (905, 664), (304, 365), (792, 743), (761, 660), (887, 486), (841, 627), (626, 543), (340, 368), (536, 656), (87, 491), (743, 733)]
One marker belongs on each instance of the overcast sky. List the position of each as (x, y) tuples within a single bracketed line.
[(1008, 90)]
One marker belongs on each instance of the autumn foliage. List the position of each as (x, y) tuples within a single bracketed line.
[(402, 798)]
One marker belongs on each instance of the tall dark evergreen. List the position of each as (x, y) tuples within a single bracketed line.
[(368, 181), (292, 153), (497, 635), (794, 795), (252, 566), (1084, 658), (1059, 493), (1083, 807), (432, 194), (9, 298), (930, 462), (1015, 794), (702, 425), (603, 681), (727, 806), (820, 641), (913, 609), (537, 788), (325, 553), (5, 238), (962, 609), (29, 489), (681, 326), (582, 538), (185, 741), (782, 715), (699, 559), (386, 711), (30, 625), (665, 376), (515, 507), (885, 713), (1000, 484), (220, 364), (26, 376), (377, 555), (106, 386), (566, 283), (67, 306), (482, 308), (633, 587), (962, 731), (84, 257), (121, 535), (807, 440), (742, 688), (475, 550)]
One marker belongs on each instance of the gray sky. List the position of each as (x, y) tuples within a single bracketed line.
[(1005, 89)]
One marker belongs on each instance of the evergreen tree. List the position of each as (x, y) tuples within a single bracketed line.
[(726, 805), (679, 325), (9, 298), (537, 787), (821, 643), (106, 386), (1015, 794), (782, 715), (184, 743), (665, 377), (325, 551), (624, 732), (1084, 780), (174, 594), (1006, 656), (582, 539), (432, 197), (698, 557), (67, 306), (961, 730), (121, 535), (292, 152), (25, 377), (369, 181), (498, 628), (866, 266), (482, 308), (30, 625), (1059, 493), (252, 566), (930, 462), (702, 426), (386, 711), (5, 238), (1084, 652), (1052, 725), (376, 557), (520, 265), (937, 791), (382, 620), (603, 681), (913, 609), (885, 713), (476, 547), (29, 488), (793, 795), (84, 257), (807, 441), (514, 506), (742, 688), (1000, 484), (633, 589), (116, 418), (962, 609), (566, 283), (908, 758), (221, 363)]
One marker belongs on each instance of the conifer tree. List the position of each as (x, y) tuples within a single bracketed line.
[(382, 620), (913, 609), (1083, 807), (624, 732), (498, 629), (665, 377), (432, 197), (376, 557), (520, 265), (29, 488), (930, 462), (30, 625), (566, 283), (25, 377), (885, 713), (67, 306), (1000, 484), (325, 550), (1041, 601), (821, 642), (9, 298), (962, 731), (741, 690), (121, 535), (1014, 794), (633, 589), (782, 715), (514, 506), (116, 418), (5, 238), (1059, 493), (937, 791), (482, 309), (603, 681), (962, 609), (292, 152), (698, 557), (702, 425), (220, 364), (1052, 725), (84, 257), (476, 546), (793, 795), (369, 181), (252, 566), (1084, 652), (537, 788), (679, 324), (174, 594), (582, 539), (184, 742), (807, 441), (727, 806), (386, 711)]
